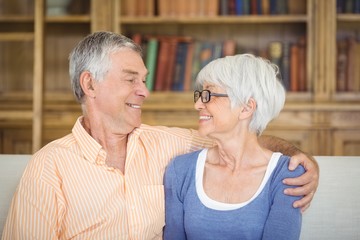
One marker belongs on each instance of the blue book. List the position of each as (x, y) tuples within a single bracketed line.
[(239, 7), (180, 65)]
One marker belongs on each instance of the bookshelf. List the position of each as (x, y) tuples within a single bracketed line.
[(320, 120)]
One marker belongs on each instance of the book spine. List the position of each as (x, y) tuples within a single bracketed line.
[(341, 66), (151, 58), (294, 70)]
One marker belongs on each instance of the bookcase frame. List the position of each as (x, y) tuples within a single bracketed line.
[(320, 121)]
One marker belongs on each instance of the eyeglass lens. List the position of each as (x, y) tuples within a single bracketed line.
[(205, 96)]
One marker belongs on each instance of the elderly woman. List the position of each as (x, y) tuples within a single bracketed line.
[(233, 190)]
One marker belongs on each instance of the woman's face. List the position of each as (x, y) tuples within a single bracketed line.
[(217, 119)]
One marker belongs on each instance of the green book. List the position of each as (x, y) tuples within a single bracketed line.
[(151, 59)]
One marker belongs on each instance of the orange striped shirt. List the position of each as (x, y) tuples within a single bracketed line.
[(68, 192)]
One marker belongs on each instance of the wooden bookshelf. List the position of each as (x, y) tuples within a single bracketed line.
[(36, 104)]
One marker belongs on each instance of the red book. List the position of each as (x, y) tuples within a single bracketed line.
[(302, 65), (162, 64), (171, 58)]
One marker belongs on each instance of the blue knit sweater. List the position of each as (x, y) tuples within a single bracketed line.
[(190, 214)]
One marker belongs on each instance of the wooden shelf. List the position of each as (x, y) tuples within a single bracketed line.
[(17, 36), (216, 20), (348, 17), (68, 19)]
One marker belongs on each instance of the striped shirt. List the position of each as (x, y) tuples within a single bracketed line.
[(68, 192)]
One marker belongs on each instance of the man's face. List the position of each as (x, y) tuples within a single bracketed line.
[(119, 97)]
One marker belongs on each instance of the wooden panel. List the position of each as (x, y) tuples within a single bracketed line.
[(102, 15), (1, 142), (16, 7), (16, 66), (17, 141), (346, 119), (347, 142), (292, 119), (175, 118), (301, 139), (60, 40)]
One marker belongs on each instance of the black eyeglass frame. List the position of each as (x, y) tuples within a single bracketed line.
[(205, 99)]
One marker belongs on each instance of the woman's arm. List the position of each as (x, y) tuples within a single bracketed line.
[(308, 182)]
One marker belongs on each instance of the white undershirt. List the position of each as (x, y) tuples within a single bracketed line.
[(210, 203)]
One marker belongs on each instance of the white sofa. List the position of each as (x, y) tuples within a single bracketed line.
[(334, 213)]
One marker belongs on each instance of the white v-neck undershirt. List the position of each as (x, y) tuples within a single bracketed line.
[(210, 203)]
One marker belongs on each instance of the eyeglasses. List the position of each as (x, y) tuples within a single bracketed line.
[(206, 95)]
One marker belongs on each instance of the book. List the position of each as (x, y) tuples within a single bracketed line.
[(294, 67), (356, 86), (163, 8), (285, 65), (151, 60), (265, 7), (296, 7), (188, 66), (254, 7), (282, 7), (180, 65), (196, 62), (162, 63), (212, 7), (229, 47), (302, 64), (239, 7), (232, 7), (171, 58), (129, 8), (224, 8), (351, 67), (341, 63), (246, 7), (137, 38), (275, 52), (206, 53)]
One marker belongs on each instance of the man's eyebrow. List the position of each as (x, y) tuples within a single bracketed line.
[(130, 71)]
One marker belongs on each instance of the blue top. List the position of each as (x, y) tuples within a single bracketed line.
[(190, 214)]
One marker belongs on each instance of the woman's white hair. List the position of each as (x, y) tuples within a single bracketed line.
[(245, 76)]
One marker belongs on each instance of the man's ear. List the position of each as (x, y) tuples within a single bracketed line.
[(248, 109), (87, 84)]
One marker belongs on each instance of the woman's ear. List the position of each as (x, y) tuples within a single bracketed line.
[(248, 109), (87, 84)]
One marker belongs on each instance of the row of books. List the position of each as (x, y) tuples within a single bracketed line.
[(174, 61), (348, 6), (290, 57), (348, 65), (178, 8), (261, 7)]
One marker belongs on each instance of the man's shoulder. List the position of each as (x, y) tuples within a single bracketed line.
[(166, 131)]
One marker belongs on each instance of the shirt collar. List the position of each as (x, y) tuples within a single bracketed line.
[(90, 148), (92, 151)]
